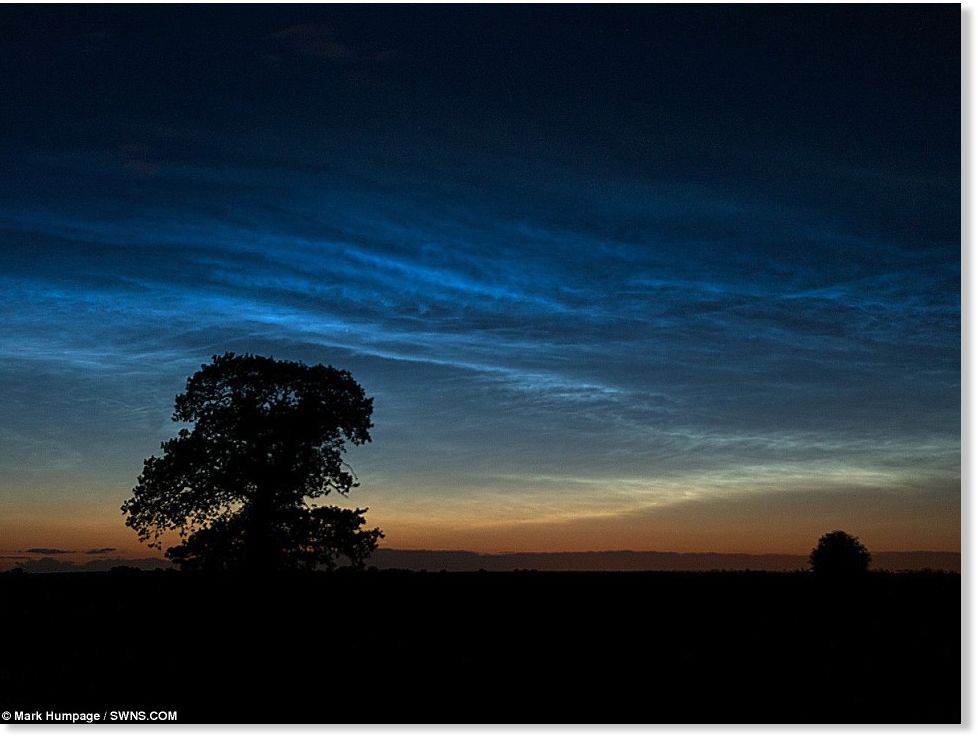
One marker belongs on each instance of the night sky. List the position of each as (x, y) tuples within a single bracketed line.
[(645, 277)]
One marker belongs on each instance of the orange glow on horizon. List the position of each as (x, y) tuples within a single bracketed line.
[(776, 523)]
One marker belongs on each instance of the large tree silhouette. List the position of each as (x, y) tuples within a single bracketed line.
[(266, 439)]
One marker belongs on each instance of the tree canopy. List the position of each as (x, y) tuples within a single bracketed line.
[(266, 438), (838, 553)]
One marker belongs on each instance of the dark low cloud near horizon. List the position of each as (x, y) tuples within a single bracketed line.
[(48, 550)]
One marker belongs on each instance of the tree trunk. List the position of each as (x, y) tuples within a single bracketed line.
[(259, 546)]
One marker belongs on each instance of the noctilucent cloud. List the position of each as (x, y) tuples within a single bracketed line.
[(641, 277)]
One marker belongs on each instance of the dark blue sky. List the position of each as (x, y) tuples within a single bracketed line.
[(635, 276)]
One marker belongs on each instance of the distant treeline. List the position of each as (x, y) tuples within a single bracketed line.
[(460, 561)]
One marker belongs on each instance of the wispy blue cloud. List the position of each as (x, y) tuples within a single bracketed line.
[(714, 340)]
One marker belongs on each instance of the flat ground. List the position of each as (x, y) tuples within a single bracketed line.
[(400, 647)]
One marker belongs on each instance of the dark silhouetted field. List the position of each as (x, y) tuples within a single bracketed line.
[(390, 646)]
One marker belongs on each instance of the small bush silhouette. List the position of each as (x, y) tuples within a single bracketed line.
[(838, 553)]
